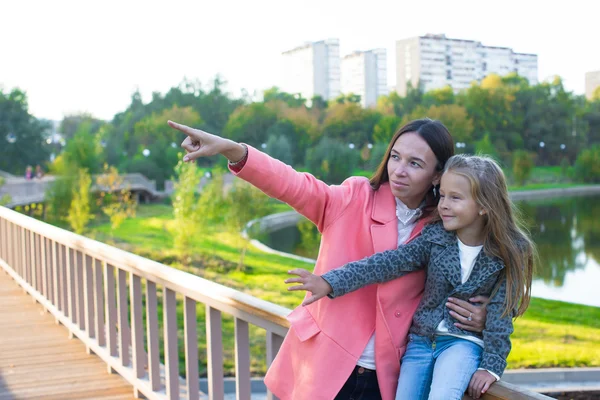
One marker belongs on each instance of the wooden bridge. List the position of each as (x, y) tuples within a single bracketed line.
[(80, 319)]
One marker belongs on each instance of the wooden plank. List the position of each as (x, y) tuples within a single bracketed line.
[(38, 361)]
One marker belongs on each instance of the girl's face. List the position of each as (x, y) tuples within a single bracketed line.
[(459, 210), (411, 169)]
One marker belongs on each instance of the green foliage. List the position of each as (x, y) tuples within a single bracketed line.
[(453, 116), (292, 100), (185, 209), (79, 211), (115, 198), (83, 151), (310, 238), (279, 147), (332, 160), (522, 166), (377, 154), (71, 124), (564, 167), (244, 203), (587, 166), (212, 204), (22, 137), (485, 146), (385, 129), (249, 124), (6, 198)]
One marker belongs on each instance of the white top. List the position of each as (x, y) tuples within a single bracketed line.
[(407, 219), (467, 254)]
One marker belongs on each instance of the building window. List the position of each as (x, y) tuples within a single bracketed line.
[(449, 75), (485, 66)]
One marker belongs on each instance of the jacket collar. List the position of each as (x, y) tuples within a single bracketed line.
[(384, 205)]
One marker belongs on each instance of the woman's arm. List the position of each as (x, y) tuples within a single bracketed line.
[(314, 199), (378, 268)]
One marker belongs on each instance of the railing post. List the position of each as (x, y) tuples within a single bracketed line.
[(98, 299), (152, 335), (79, 282), (214, 347), (88, 295), (242, 360), (274, 342), (123, 308), (137, 333), (170, 342), (111, 309), (191, 349), (71, 288)]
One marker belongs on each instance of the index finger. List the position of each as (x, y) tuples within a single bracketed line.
[(298, 271), (183, 128)]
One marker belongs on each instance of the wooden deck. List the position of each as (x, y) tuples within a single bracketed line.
[(38, 360)]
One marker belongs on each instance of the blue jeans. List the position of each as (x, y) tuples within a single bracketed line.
[(438, 369)]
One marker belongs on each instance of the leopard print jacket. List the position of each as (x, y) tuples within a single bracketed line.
[(437, 250)]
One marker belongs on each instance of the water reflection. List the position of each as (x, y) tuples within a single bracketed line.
[(566, 231)]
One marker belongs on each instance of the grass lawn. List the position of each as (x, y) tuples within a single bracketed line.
[(551, 334)]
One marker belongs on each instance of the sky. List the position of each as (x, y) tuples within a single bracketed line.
[(90, 56)]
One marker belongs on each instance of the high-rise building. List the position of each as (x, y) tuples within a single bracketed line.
[(436, 61), (592, 82), (312, 69), (365, 73)]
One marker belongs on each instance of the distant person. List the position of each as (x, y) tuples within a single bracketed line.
[(351, 348), (473, 247), (39, 172), (29, 173)]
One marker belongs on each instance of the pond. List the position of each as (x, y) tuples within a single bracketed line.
[(566, 231)]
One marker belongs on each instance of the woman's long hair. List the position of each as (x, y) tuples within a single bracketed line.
[(504, 236)]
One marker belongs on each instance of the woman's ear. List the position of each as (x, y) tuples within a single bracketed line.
[(436, 179), (482, 212)]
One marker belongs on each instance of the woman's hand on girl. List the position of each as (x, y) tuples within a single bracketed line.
[(312, 283), (471, 317)]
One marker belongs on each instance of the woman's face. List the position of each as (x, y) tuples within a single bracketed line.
[(411, 168)]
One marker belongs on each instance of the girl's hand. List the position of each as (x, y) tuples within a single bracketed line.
[(471, 317), (480, 383), (311, 283), (203, 144)]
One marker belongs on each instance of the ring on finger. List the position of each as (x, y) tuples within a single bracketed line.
[(470, 317)]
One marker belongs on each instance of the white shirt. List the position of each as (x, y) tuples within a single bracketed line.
[(407, 219)]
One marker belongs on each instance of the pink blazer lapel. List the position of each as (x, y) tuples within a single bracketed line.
[(384, 230)]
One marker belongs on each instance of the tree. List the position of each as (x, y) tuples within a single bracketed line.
[(522, 166), (279, 147), (79, 212), (185, 209), (115, 198), (155, 146), (485, 147), (292, 100), (244, 203), (71, 123), (587, 165), (453, 116), (22, 136), (331, 160), (83, 151), (350, 123), (385, 129), (250, 124)]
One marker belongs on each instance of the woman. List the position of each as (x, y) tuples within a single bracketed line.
[(351, 347)]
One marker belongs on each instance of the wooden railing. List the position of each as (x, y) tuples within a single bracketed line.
[(109, 299)]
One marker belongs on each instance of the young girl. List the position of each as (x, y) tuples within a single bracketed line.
[(472, 247)]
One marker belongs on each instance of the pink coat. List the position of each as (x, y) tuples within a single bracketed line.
[(327, 338)]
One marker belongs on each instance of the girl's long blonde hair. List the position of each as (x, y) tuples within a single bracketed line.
[(504, 236)]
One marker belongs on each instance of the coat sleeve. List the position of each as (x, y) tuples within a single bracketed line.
[(320, 203), (380, 267), (496, 335)]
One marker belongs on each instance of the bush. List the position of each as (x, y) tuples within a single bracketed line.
[(79, 212), (331, 160), (522, 166), (587, 165), (279, 147)]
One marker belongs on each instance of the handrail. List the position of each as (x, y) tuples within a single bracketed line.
[(97, 292)]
